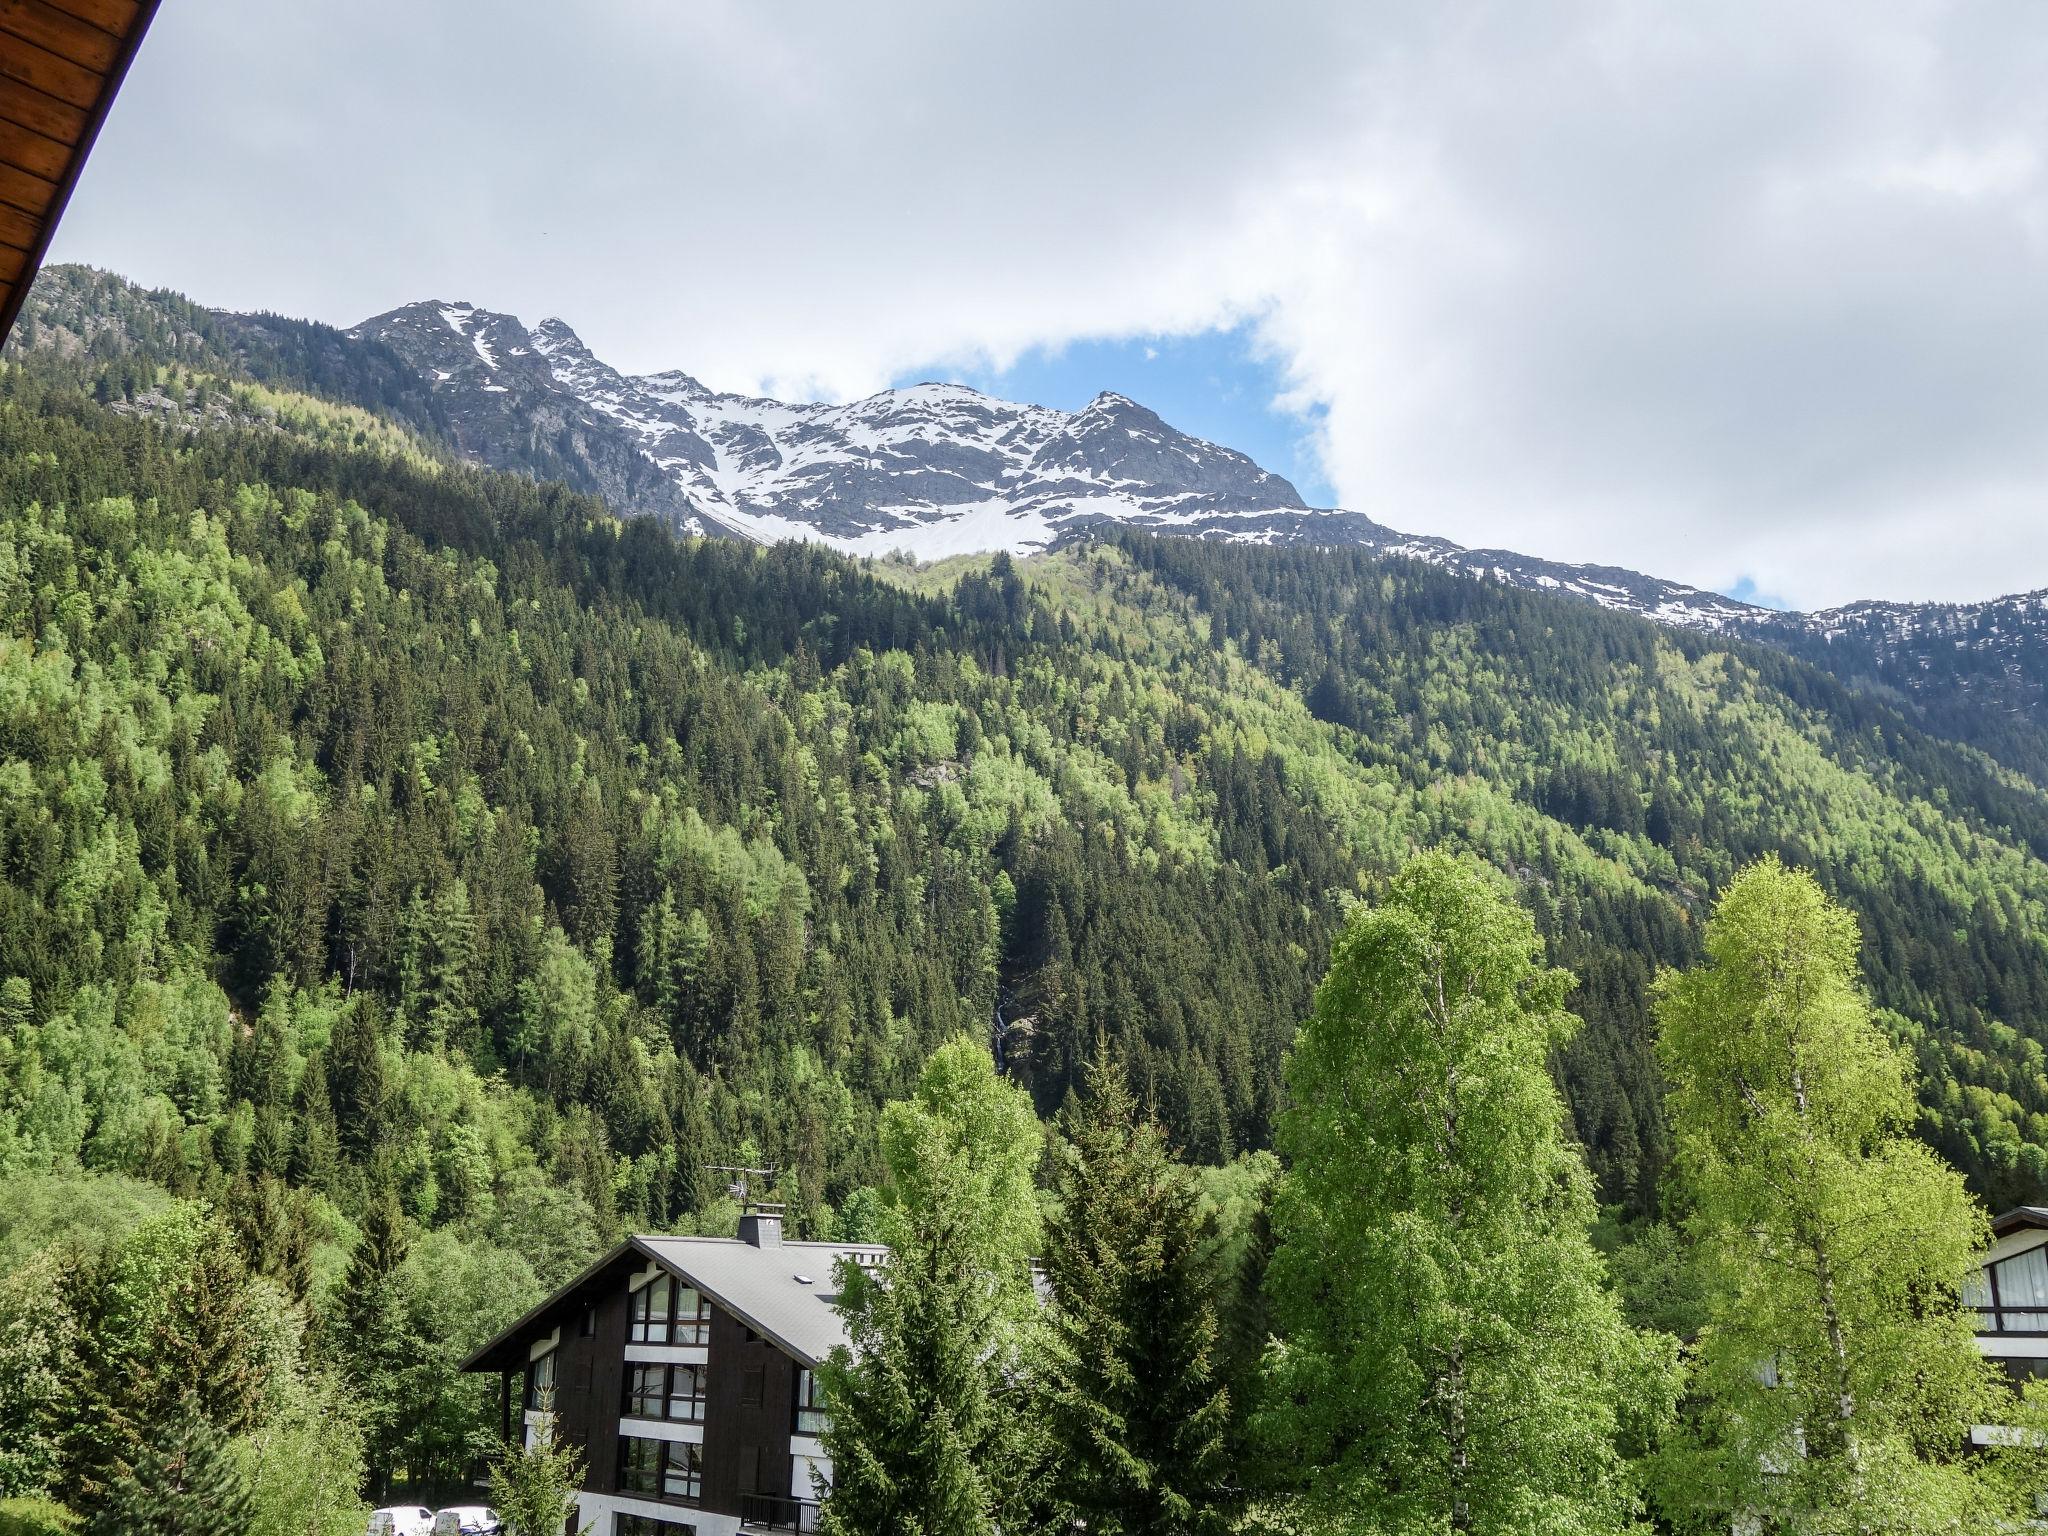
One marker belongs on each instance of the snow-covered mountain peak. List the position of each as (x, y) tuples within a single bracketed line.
[(555, 337), (933, 468)]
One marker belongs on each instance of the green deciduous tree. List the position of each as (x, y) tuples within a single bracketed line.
[(929, 1435), (1835, 1378), (36, 1517), (1129, 1373), (1452, 1358)]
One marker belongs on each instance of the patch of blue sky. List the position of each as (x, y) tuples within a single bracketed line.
[(1745, 591), (1212, 385)]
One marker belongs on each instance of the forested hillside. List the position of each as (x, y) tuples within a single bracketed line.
[(480, 388), (347, 764), (382, 839)]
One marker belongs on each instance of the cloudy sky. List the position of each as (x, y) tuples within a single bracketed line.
[(1750, 295)]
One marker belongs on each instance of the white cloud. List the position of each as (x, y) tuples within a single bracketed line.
[(1713, 290)]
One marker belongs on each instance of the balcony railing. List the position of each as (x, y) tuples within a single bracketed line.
[(773, 1512)]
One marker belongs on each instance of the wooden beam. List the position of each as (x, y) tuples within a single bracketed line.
[(33, 152), (53, 75), (17, 228), (64, 35), (29, 194), (114, 17), (27, 62), (31, 108)]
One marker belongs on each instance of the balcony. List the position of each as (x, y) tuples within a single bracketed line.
[(774, 1512)]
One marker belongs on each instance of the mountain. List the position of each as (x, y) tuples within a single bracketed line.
[(932, 470), (939, 469)]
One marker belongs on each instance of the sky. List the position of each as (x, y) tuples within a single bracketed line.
[(1747, 295)]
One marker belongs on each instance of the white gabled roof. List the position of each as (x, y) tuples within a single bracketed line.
[(786, 1292)]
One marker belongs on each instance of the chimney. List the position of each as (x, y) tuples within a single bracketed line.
[(762, 1229)]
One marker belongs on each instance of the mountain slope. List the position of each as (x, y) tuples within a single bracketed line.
[(938, 470), (527, 840)]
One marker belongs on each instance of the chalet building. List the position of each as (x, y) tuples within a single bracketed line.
[(2011, 1297), (684, 1369)]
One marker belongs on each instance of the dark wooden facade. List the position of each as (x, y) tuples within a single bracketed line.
[(61, 63), (749, 1405), (749, 1410), (590, 1377)]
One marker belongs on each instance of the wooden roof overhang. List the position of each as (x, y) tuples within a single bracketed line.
[(61, 63)]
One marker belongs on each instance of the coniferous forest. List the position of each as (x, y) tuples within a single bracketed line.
[(413, 877)]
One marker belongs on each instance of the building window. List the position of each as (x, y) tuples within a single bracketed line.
[(753, 1386), (645, 1525), (667, 1469), (639, 1465), (588, 1327), (2011, 1296), (692, 1323), (665, 1392), (682, 1472), (665, 1312), (650, 1311), (2021, 1369), (540, 1383), (810, 1404), (686, 1392), (646, 1391)]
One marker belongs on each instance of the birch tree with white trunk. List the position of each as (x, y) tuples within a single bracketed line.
[(1452, 1358), (1835, 1380)]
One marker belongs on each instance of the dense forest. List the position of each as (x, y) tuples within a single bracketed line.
[(699, 847), (393, 847)]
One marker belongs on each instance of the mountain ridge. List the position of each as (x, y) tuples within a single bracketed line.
[(939, 469)]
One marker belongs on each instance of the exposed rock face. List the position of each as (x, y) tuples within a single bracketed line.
[(940, 469)]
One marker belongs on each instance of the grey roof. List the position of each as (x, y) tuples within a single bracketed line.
[(2019, 1217), (785, 1292)]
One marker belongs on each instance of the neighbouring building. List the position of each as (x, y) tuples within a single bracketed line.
[(684, 1369), (2011, 1298)]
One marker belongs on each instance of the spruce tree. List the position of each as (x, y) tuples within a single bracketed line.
[(1453, 1361), (1835, 1379), (356, 1077), (201, 1360), (316, 1140), (369, 1339), (182, 1481), (1130, 1372)]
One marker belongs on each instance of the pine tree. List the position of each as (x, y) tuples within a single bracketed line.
[(1835, 1378), (1452, 1358), (1130, 1386)]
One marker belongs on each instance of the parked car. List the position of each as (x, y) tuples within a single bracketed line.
[(467, 1520), (400, 1520)]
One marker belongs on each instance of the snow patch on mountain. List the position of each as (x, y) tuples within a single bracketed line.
[(933, 469)]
